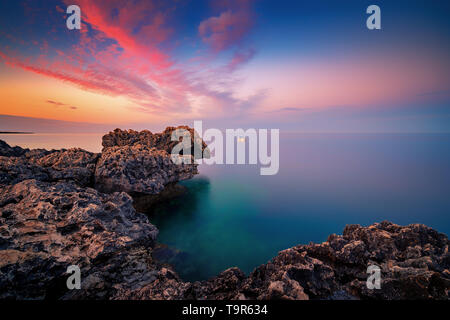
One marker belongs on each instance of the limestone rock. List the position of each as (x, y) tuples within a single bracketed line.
[(414, 262), (160, 141), (138, 170), (56, 165), (45, 227)]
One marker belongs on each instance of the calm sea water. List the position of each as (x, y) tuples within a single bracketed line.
[(232, 216)]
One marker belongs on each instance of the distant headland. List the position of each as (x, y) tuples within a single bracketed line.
[(15, 132)]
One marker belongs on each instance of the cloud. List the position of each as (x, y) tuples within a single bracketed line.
[(225, 30), (289, 109), (60, 104), (241, 57), (435, 93)]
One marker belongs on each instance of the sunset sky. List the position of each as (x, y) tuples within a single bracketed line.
[(306, 66)]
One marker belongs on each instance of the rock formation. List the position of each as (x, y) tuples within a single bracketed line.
[(139, 163), (139, 169), (46, 227), (56, 165), (7, 151), (160, 141)]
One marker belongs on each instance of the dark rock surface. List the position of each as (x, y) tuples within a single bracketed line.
[(45, 227), (7, 151), (73, 164)]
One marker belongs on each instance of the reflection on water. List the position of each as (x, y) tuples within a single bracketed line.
[(181, 206), (232, 216), (169, 215)]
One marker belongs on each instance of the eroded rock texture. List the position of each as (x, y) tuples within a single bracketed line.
[(139, 169), (160, 141), (45, 227), (17, 164), (140, 163), (7, 151)]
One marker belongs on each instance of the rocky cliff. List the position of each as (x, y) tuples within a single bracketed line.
[(160, 141), (74, 165), (45, 227), (73, 207)]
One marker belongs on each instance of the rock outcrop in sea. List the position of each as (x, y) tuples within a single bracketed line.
[(139, 163), (160, 141), (139, 169), (72, 207)]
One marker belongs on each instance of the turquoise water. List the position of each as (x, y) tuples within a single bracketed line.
[(232, 216)]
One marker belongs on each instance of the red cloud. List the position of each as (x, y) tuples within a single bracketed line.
[(138, 27)]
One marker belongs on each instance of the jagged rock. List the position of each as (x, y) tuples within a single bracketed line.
[(160, 141), (414, 262), (7, 151), (45, 227), (140, 163), (16, 169), (139, 169), (166, 286), (225, 286), (56, 165)]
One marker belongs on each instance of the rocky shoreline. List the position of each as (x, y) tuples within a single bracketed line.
[(74, 207)]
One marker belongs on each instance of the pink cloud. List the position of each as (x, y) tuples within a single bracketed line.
[(240, 57), (94, 78)]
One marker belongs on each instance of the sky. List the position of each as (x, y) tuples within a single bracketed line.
[(303, 66)]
